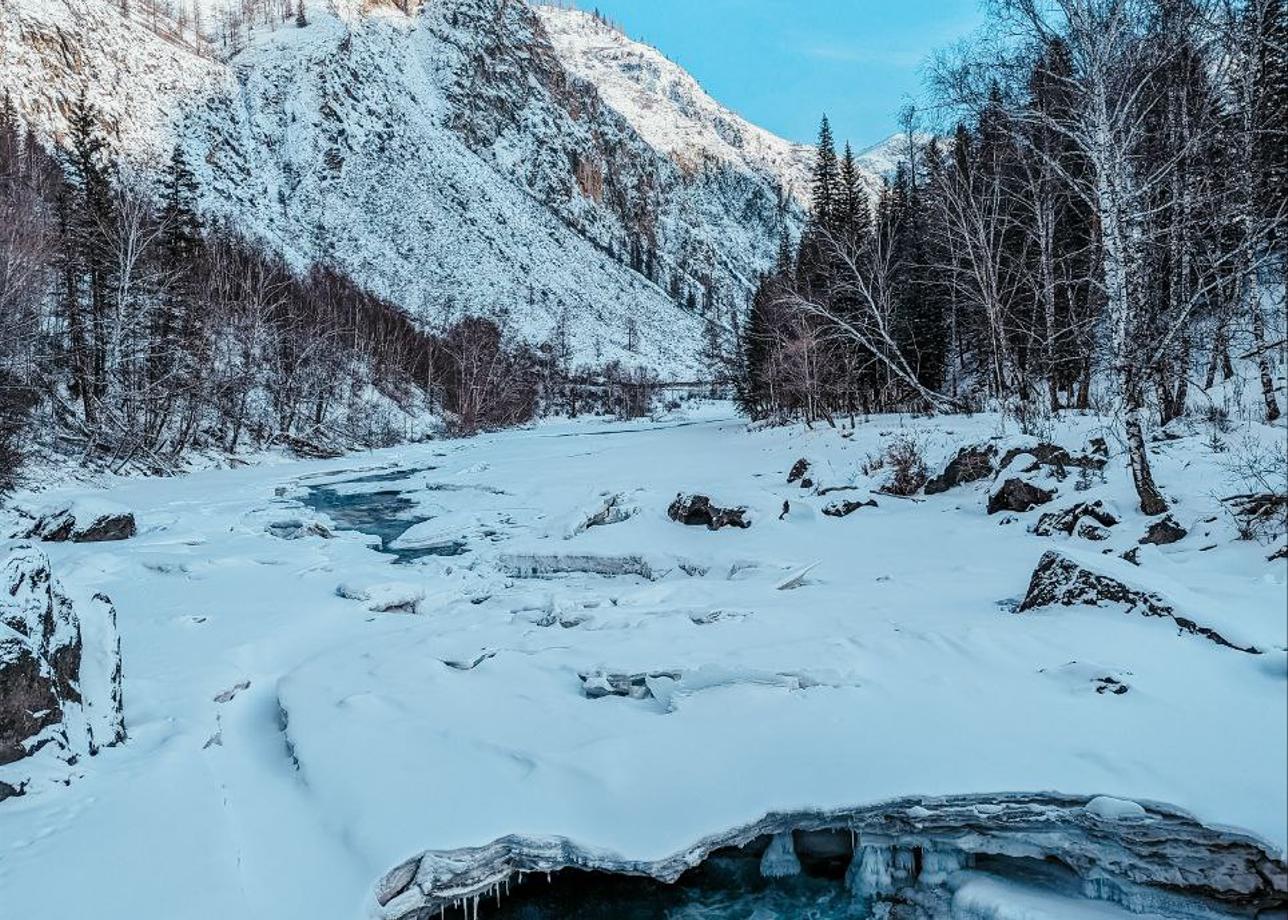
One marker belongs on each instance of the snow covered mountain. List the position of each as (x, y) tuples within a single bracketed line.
[(470, 156), (669, 108)]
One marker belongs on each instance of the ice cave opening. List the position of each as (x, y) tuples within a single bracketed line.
[(838, 874)]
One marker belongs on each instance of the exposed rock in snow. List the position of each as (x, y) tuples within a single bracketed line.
[(971, 464), (1158, 850), (612, 509), (798, 471), (60, 674), (1017, 495), (847, 507), (83, 522), (1059, 580), (598, 684), (1163, 532), (1068, 520), (697, 511)]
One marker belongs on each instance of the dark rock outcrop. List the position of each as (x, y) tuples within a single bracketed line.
[(970, 465), (1060, 581), (1017, 495), (1054, 457), (79, 527), (697, 511), (798, 470), (1067, 520), (1163, 532), (847, 506), (56, 700), (979, 461)]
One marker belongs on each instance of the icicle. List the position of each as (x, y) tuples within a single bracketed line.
[(780, 859), (871, 872), (938, 863), (904, 867)]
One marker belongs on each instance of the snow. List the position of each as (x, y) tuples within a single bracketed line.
[(894, 667), (1111, 809)]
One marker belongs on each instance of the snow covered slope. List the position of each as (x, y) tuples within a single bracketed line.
[(668, 107), (446, 159)]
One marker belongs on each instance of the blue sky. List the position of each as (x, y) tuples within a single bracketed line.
[(782, 63)]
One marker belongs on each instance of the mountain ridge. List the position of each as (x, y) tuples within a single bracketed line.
[(458, 159)]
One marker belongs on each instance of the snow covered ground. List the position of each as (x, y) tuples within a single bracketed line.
[(305, 712)]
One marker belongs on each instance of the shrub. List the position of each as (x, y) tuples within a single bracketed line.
[(907, 466)]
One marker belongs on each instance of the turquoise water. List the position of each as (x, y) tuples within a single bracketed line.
[(383, 513), (717, 890)]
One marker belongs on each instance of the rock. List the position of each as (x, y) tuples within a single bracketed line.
[(970, 465), (847, 506), (1090, 530), (1163, 532), (295, 529), (798, 470), (1056, 457), (1017, 495), (1059, 581), (1067, 521), (697, 511), (60, 673), (1099, 447), (83, 523), (807, 483), (599, 684)]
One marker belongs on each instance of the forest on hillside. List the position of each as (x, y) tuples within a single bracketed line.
[(1105, 203), (134, 331)]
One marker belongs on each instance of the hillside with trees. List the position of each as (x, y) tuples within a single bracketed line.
[(1100, 223)]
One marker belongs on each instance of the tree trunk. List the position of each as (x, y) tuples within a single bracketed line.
[(1259, 343), (1151, 500)]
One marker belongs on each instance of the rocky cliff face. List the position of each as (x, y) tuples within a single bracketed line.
[(459, 158), (60, 674)]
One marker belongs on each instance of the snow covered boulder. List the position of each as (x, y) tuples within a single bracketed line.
[(697, 511), (60, 673), (971, 464), (1060, 581), (83, 522), (1016, 494), (296, 529), (1069, 520)]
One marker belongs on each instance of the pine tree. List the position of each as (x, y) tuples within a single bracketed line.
[(854, 214), (87, 210), (826, 178)]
